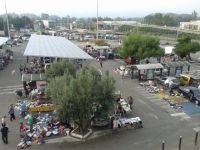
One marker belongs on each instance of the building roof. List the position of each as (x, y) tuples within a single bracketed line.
[(178, 64), (52, 46), (3, 40), (149, 66)]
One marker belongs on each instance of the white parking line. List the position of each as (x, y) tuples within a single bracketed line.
[(155, 100), (177, 114), (154, 116), (197, 129), (11, 92), (182, 115)]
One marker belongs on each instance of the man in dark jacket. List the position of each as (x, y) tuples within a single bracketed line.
[(4, 133)]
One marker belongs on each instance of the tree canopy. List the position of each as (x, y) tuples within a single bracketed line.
[(81, 97), (59, 69), (185, 46), (141, 46)]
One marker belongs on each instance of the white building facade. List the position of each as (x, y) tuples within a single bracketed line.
[(192, 25)]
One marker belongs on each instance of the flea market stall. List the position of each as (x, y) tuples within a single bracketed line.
[(177, 67), (37, 105), (146, 71)]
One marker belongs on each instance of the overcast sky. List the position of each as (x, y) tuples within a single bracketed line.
[(110, 8)]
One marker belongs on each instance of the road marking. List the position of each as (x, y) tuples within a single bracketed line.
[(197, 129), (154, 116), (183, 116), (9, 89), (155, 100), (12, 86), (141, 101), (160, 103), (177, 114), (11, 92), (151, 96)]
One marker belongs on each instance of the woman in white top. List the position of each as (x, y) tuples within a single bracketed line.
[(3, 120)]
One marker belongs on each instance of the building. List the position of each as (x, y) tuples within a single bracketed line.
[(192, 25), (38, 25), (44, 16), (114, 25), (49, 23)]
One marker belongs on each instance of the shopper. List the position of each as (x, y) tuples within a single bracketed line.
[(21, 69), (21, 129), (11, 112), (30, 122), (23, 110), (4, 133), (3, 120), (101, 62)]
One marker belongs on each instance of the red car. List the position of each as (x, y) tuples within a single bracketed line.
[(130, 60)]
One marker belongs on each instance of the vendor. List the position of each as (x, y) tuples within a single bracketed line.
[(49, 125)]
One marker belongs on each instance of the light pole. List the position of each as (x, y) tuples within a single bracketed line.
[(97, 36), (7, 21)]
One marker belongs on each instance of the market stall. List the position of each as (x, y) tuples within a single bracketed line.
[(146, 71), (177, 67)]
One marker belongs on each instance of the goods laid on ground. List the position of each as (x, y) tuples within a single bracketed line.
[(41, 108), (130, 122)]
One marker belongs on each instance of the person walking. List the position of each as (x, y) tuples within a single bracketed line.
[(3, 120), (21, 69), (23, 110), (101, 62), (21, 129), (27, 59), (30, 122), (4, 133), (11, 112)]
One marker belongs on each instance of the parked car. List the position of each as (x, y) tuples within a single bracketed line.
[(170, 82), (192, 93), (130, 60), (188, 80)]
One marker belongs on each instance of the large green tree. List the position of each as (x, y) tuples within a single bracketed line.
[(141, 46), (59, 69), (185, 46), (82, 97)]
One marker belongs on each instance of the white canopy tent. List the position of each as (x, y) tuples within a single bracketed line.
[(3, 40), (52, 46)]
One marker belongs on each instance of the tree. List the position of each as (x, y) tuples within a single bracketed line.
[(59, 69), (194, 15), (80, 98), (185, 46), (141, 46)]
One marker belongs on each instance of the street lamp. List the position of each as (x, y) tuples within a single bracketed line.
[(97, 19), (7, 21)]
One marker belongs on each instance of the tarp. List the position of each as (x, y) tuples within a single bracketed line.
[(3, 40), (52, 46)]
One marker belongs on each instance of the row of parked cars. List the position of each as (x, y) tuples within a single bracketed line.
[(5, 57), (184, 84)]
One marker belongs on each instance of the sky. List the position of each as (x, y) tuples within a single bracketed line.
[(109, 8)]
